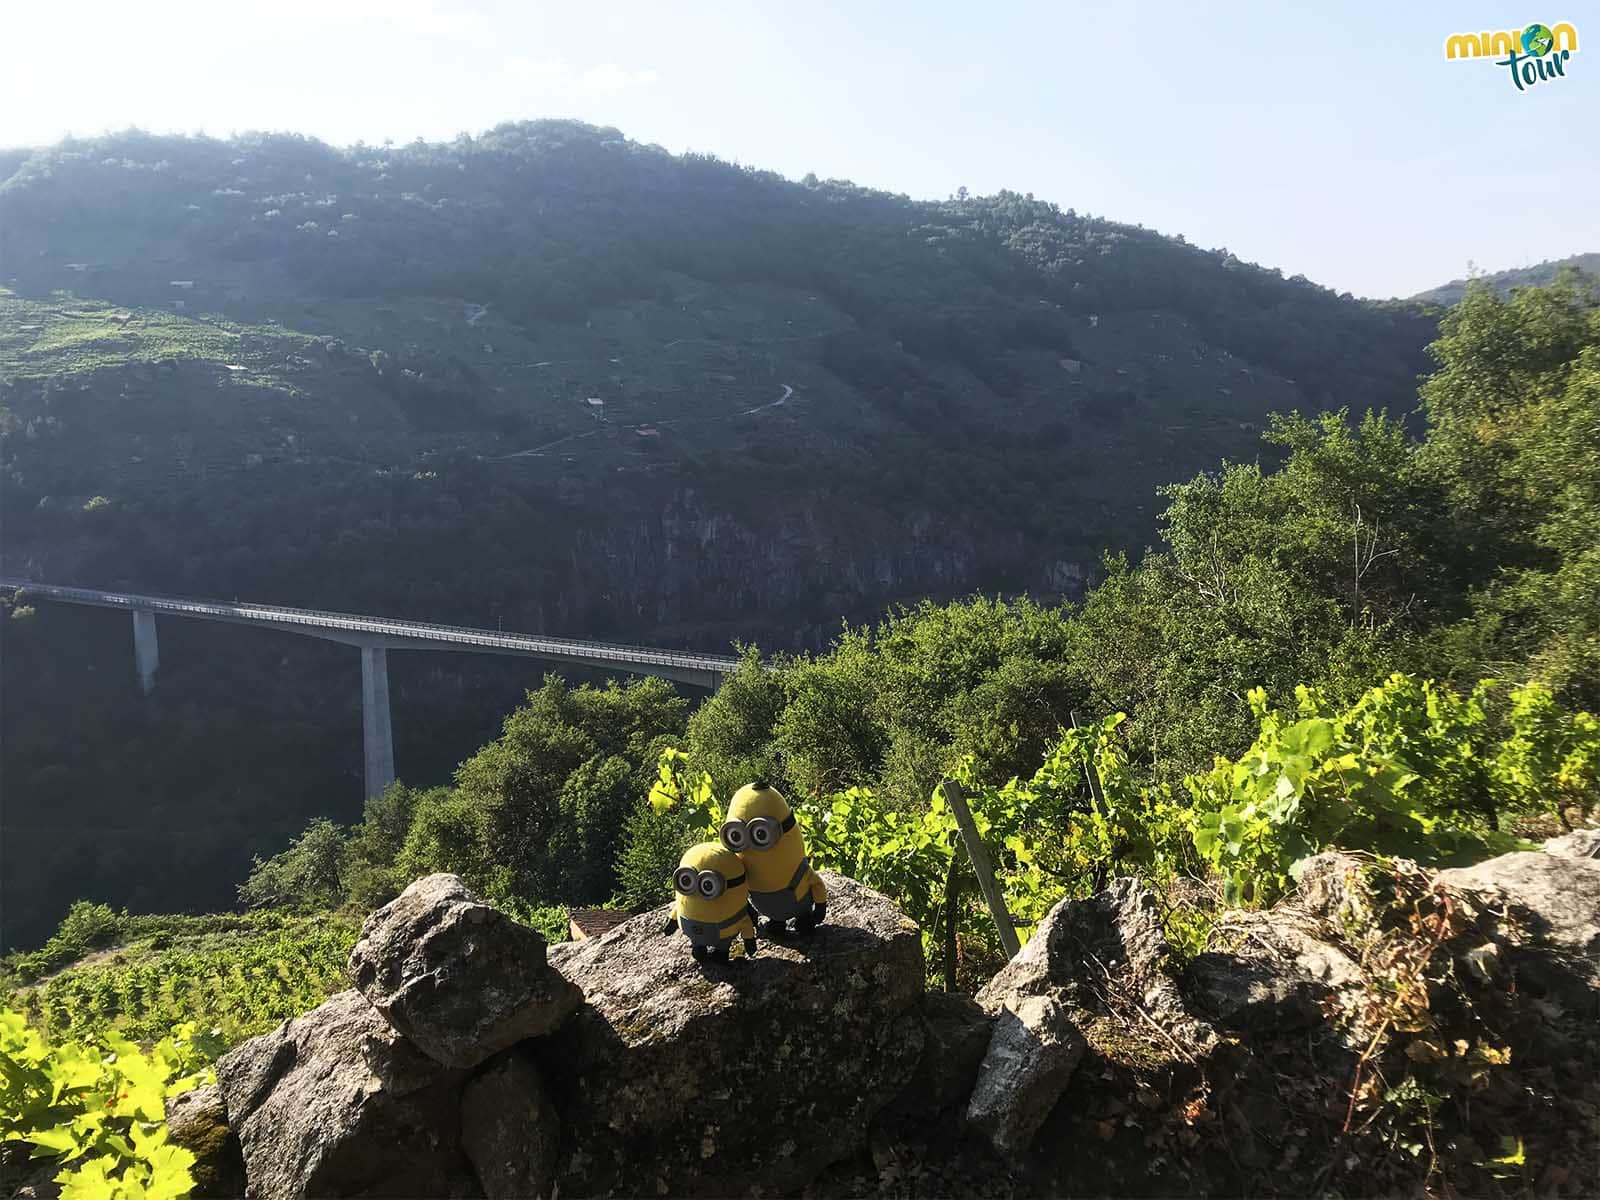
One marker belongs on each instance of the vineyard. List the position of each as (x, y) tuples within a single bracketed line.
[(1413, 769), (239, 983)]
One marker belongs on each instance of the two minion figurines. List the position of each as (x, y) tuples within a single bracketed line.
[(757, 879)]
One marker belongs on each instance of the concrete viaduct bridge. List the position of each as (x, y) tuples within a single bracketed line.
[(375, 637)]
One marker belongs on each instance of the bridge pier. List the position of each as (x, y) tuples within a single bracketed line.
[(146, 653), (377, 735)]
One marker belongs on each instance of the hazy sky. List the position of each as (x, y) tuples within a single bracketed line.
[(1330, 139)]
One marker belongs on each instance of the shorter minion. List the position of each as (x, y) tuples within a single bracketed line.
[(712, 906)]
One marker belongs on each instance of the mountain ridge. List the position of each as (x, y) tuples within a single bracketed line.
[(474, 300), (1512, 277)]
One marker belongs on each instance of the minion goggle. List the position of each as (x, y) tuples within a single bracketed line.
[(758, 833), (703, 883)]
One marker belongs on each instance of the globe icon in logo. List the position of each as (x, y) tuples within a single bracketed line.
[(1537, 40)]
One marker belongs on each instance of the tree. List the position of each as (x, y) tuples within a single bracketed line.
[(551, 794), (308, 875)]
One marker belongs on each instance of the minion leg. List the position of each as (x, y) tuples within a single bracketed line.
[(768, 928), (811, 918)]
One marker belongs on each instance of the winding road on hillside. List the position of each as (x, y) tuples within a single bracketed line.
[(578, 437)]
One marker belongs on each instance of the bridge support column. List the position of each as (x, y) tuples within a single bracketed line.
[(377, 736), (146, 653)]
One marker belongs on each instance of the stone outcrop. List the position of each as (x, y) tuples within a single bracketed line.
[(1031, 1055), (1544, 918), (509, 1128), (1093, 1063), (197, 1120), (1089, 962), (460, 979), (1580, 843), (337, 1103), (677, 1078)]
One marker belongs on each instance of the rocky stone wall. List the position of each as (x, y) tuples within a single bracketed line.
[(472, 1060)]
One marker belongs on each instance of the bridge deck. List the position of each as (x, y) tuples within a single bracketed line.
[(392, 634)]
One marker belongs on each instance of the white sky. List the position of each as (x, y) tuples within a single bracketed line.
[(1332, 139)]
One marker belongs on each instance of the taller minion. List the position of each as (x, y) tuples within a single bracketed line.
[(760, 828)]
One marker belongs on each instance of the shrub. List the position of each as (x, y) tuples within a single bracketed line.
[(99, 1108), (308, 875)]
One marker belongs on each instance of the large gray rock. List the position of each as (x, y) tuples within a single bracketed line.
[(1580, 843), (336, 1103), (197, 1120), (509, 1129), (462, 980), (678, 1078), (1103, 953), (1032, 1052), (955, 1038), (1104, 965), (1278, 973), (1545, 911)]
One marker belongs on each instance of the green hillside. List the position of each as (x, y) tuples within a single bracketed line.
[(555, 380), (415, 336)]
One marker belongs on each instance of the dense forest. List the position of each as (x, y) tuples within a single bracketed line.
[(552, 380)]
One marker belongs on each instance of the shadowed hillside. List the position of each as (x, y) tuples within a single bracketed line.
[(554, 380)]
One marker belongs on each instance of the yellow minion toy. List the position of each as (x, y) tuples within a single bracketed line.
[(761, 830), (712, 906)]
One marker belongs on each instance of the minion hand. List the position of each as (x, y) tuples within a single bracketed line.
[(749, 946), (672, 924)]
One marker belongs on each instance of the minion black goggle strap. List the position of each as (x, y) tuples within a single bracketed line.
[(758, 833), (703, 883)]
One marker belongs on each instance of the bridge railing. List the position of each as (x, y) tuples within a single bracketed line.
[(428, 631)]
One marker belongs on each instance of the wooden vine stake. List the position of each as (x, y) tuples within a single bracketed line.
[(981, 866)]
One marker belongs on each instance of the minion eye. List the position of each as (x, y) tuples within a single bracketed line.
[(685, 879), (733, 835), (761, 835), (710, 884)]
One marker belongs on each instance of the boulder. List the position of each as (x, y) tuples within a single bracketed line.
[(509, 1129), (1031, 1055), (955, 1038), (1580, 843), (460, 979), (336, 1103), (682, 1078), (197, 1120), (1277, 974), (1324, 887), (1103, 953), (1545, 918)]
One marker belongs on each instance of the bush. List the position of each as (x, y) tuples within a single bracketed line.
[(652, 844), (308, 875), (99, 1108), (1411, 769), (89, 926)]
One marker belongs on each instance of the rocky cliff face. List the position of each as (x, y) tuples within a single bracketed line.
[(1384, 1030)]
